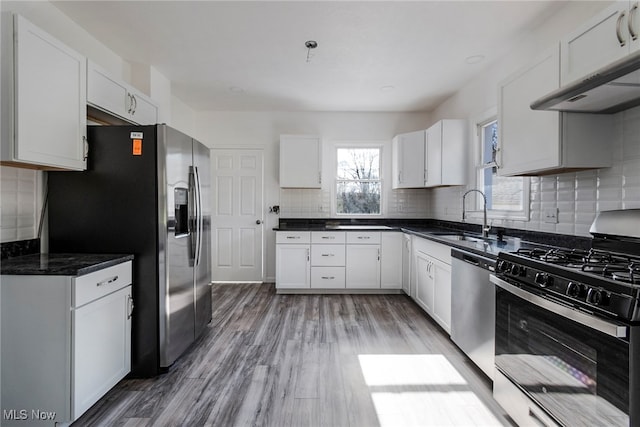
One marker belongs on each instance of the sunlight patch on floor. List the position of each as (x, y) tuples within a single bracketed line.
[(408, 369), (421, 390)]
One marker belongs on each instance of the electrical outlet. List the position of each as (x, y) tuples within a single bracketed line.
[(400, 207), (550, 216)]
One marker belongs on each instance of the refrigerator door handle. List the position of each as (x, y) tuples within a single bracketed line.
[(192, 216), (198, 203)]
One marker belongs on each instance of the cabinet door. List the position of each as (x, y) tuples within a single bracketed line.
[(406, 264), (391, 252), (106, 93), (602, 40), (409, 161), (529, 140), (143, 111), (433, 156), (101, 347), (634, 25), (363, 266), (300, 165), (50, 100), (441, 273), (424, 281), (293, 267)]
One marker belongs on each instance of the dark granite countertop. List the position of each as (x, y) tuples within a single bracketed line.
[(435, 230), (489, 248), (60, 264)]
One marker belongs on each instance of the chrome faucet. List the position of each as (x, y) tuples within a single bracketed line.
[(485, 227)]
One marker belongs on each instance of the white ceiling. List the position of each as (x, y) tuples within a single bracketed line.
[(251, 55)]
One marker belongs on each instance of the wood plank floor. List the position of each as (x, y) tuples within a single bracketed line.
[(309, 360)]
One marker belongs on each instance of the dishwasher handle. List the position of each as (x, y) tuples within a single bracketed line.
[(474, 259)]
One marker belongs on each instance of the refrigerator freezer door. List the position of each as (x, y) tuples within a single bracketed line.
[(202, 271), (177, 314)]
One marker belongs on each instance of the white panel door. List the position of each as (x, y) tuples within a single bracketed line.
[(237, 228)]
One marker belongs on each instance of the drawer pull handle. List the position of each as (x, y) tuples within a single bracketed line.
[(328, 254), (328, 237), (328, 277), (106, 282), (293, 237), (364, 237)]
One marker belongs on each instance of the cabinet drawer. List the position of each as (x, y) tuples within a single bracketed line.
[(327, 277), (327, 255), (294, 237), (364, 237), (97, 284), (329, 237)]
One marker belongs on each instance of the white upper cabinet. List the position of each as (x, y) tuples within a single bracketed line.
[(408, 160), (118, 98), (605, 38), (444, 154), (538, 142), (44, 103), (300, 161)]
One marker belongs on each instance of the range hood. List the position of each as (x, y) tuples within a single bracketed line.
[(609, 90)]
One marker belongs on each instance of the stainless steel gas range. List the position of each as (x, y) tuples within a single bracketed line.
[(567, 342)]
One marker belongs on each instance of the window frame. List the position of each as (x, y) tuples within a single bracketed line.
[(477, 124), (334, 171)]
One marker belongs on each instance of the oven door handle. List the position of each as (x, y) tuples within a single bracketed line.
[(612, 329)]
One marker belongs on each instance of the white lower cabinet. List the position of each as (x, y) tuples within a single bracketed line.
[(424, 281), (65, 342), (432, 280), (102, 348), (329, 260), (391, 260), (406, 265), (363, 266), (293, 266)]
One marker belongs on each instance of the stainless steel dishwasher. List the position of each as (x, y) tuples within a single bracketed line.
[(473, 307)]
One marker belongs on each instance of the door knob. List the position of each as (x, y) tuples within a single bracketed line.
[(258, 222)]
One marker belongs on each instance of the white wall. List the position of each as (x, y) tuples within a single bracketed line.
[(262, 130), (578, 196)]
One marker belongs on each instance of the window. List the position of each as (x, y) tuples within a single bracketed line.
[(358, 185), (507, 197)]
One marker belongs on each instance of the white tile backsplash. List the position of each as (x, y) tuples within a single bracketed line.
[(316, 203), (18, 204), (576, 195)]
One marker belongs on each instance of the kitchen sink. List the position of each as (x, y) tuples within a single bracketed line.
[(461, 237)]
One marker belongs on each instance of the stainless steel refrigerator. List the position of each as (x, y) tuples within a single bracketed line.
[(145, 192)]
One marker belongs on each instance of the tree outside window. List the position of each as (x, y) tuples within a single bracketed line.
[(358, 184)]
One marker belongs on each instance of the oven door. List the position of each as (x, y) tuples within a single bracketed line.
[(573, 365)]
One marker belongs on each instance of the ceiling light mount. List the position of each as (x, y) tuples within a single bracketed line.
[(310, 44)]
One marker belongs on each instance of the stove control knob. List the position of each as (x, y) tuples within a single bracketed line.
[(543, 280), (598, 297), (515, 270), (576, 290), (503, 266)]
